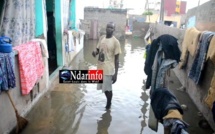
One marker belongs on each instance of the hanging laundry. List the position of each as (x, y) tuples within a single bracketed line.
[(170, 48), (31, 66), (155, 68), (200, 58), (166, 55), (71, 46), (168, 111), (189, 45), (150, 56), (44, 48), (7, 74), (165, 65), (210, 98)]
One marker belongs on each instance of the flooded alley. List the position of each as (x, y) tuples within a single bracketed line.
[(80, 108)]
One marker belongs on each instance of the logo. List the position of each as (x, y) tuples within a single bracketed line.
[(81, 76), (65, 75)]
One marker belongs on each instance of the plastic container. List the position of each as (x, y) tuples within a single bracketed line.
[(5, 44)]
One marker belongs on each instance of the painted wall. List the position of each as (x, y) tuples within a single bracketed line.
[(205, 17), (65, 13), (183, 7), (59, 31), (39, 17), (169, 7)]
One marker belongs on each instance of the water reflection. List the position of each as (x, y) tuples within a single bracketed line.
[(104, 123), (75, 125), (89, 47), (144, 97), (122, 55), (79, 108)]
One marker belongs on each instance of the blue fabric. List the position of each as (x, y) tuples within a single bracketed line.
[(169, 47), (150, 56), (162, 100), (155, 68), (177, 126), (7, 75), (198, 64), (166, 64)]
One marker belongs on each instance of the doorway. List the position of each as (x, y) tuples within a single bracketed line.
[(51, 36), (1, 11)]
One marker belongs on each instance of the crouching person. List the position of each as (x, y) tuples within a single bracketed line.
[(168, 111)]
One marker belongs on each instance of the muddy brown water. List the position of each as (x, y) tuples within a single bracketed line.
[(79, 108)]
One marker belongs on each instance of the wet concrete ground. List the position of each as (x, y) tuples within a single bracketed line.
[(79, 108)]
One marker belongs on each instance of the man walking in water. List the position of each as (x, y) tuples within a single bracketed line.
[(108, 50)]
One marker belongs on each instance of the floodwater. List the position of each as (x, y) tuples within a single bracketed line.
[(80, 108)]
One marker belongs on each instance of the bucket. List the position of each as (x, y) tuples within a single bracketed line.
[(5, 44)]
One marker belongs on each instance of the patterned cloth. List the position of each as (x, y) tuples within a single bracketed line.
[(31, 65), (199, 61), (18, 20), (7, 75)]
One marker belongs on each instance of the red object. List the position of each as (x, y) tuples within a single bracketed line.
[(95, 75), (183, 7), (169, 7), (31, 66)]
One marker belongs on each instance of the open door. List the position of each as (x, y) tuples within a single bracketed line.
[(51, 38), (1, 11)]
